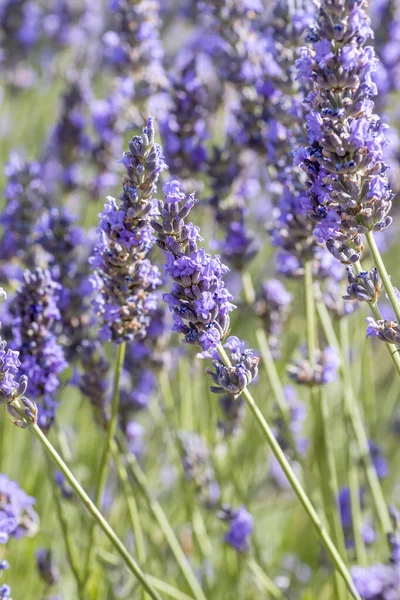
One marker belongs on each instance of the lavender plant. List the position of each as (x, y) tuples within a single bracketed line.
[(124, 278), (183, 474)]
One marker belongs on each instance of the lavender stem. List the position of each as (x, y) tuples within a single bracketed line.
[(164, 524), (96, 514), (296, 485), (132, 507), (354, 415), (103, 467), (69, 548), (323, 448), (356, 516)]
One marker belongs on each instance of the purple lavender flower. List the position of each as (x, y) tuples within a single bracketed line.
[(241, 526), (344, 503), (323, 370), (69, 142), (387, 331), (123, 276), (232, 409), (133, 46), (47, 570), (273, 307), (198, 467), (239, 245), (67, 252), (25, 194), (184, 126), (5, 592), (198, 300), (9, 367), (365, 286), (347, 187), (377, 582), (134, 433), (236, 378), (66, 490), (17, 517), (42, 358), (378, 459)]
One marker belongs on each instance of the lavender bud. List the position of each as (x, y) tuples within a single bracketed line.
[(48, 572), (241, 525), (365, 286)]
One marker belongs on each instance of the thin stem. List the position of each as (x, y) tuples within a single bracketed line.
[(103, 467), (356, 515), (132, 506), (393, 351), (164, 524), (352, 409), (69, 548), (270, 367), (380, 265), (323, 447), (277, 389), (96, 514), (295, 484)]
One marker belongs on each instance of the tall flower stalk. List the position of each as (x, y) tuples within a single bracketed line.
[(201, 306), (348, 193)]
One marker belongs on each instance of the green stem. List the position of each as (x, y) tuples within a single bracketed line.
[(132, 507), (380, 265), (277, 389), (352, 409), (356, 514), (96, 514), (323, 447), (103, 467), (295, 484), (71, 556), (164, 524)]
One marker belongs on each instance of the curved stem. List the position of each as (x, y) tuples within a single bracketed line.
[(323, 448), (103, 468), (132, 506), (270, 367), (380, 265), (355, 505), (69, 548), (355, 418), (96, 514), (295, 484)]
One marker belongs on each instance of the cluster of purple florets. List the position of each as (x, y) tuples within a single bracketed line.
[(199, 301), (42, 358), (347, 186), (124, 278)]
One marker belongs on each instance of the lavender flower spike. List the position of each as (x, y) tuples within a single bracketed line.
[(124, 277), (199, 301), (347, 187), (42, 358)]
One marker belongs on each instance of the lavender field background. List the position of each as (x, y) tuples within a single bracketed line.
[(199, 253)]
